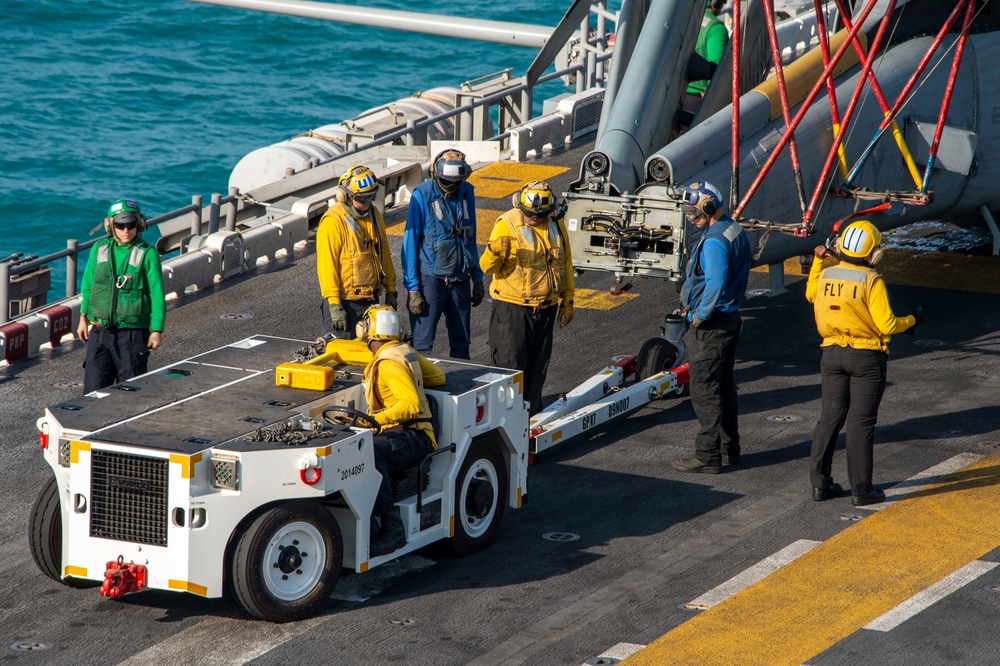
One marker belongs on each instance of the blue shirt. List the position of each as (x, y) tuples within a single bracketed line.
[(429, 244), (717, 271)]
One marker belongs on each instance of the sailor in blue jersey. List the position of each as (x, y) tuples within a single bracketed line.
[(717, 273), (440, 258)]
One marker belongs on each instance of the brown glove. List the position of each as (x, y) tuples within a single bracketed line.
[(500, 246)]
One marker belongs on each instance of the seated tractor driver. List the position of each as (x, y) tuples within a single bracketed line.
[(394, 392)]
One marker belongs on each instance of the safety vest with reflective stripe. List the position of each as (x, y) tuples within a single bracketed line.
[(119, 296), (843, 316), (360, 262), (537, 276), (406, 357)]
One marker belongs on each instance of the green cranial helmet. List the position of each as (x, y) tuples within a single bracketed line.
[(123, 206)]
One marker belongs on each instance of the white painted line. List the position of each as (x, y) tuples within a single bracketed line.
[(925, 478), (757, 572), (217, 641), (616, 653), (931, 595), (246, 640)]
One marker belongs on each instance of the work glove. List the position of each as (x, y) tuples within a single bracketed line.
[(338, 317), (696, 321), (565, 314), (918, 314), (391, 299), (478, 293), (415, 303), (500, 246)]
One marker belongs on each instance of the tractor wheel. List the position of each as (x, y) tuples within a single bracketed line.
[(655, 356), (45, 536), (286, 563), (480, 498)]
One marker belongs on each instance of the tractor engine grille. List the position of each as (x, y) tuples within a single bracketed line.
[(128, 498)]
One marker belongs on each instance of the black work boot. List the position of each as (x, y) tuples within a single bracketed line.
[(391, 535)]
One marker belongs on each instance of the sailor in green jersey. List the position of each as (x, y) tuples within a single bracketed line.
[(712, 40), (122, 307)]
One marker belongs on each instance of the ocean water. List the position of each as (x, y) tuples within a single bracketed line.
[(158, 100)]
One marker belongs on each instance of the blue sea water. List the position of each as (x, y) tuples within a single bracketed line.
[(158, 100)]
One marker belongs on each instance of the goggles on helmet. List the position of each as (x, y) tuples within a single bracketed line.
[(364, 199), (125, 221)]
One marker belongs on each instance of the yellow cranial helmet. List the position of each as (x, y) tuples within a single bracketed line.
[(359, 183), (860, 240), (380, 322), (536, 199)]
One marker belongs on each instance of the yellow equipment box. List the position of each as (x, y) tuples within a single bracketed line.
[(303, 376)]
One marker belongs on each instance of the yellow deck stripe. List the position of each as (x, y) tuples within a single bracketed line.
[(843, 584), (592, 299), (501, 179)]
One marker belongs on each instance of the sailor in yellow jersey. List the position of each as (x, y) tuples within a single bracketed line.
[(394, 380), (529, 258), (856, 322), (353, 263)]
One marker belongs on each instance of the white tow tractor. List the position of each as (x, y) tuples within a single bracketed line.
[(234, 470), (206, 476)]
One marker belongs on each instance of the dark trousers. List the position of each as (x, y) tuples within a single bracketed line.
[(397, 450), (711, 350), (853, 382), (355, 312), (114, 355), (521, 339), (454, 301)]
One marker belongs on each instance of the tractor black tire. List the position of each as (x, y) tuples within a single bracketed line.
[(286, 562), (45, 536), (480, 499)]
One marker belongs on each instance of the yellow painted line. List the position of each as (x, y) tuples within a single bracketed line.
[(592, 299), (838, 587), (324, 451), (185, 586), (519, 497), (187, 463), (80, 572), (501, 179), (556, 436), (364, 567), (519, 380), (74, 451)]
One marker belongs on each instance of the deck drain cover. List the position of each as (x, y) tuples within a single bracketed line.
[(233, 316), (561, 536), (601, 661), (69, 384), (850, 518), (408, 622), (784, 418), (29, 646), (929, 342)]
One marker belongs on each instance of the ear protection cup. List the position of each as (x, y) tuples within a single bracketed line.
[(875, 256), (361, 330), (708, 207)]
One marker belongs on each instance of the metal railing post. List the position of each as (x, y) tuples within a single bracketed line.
[(71, 260), (4, 292), (213, 213), (411, 126), (234, 192), (196, 215)]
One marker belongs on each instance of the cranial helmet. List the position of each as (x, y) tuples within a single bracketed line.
[(380, 322), (860, 240), (359, 183), (535, 199), (124, 211), (701, 198), (449, 170)]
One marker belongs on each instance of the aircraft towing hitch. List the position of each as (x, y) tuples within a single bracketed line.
[(121, 578)]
